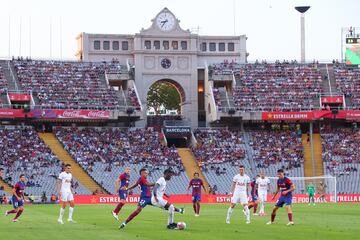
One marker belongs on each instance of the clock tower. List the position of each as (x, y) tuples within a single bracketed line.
[(166, 52)]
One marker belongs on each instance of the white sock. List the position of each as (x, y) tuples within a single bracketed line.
[(62, 210), (229, 212), (171, 214), (262, 207), (247, 212), (71, 210)]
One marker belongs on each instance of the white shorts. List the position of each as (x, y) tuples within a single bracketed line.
[(160, 203), (241, 198), (262, 196), (67, 197)]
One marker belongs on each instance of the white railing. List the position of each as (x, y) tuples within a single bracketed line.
[(138, 97), (328, 77), (212, 98), (107, 80), (8, 98), (32, 99), (124, 96)]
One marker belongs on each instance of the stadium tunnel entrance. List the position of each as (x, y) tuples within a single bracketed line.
[(177, 133), (165, 101)]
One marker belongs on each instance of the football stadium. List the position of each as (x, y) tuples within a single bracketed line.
[(146, 127)]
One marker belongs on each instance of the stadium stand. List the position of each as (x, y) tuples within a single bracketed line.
[(342, 157), (103, 153), (70, 85), (278, 86), (275, 149), (219, 152), (23, 152), (3, 81), (272, 86), (3, 85), (348, 83)]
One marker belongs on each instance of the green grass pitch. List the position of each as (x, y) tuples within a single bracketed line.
[(323, 221)]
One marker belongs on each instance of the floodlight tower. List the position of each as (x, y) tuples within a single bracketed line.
[(302, 10)]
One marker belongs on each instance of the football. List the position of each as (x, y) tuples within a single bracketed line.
[(181, 226)]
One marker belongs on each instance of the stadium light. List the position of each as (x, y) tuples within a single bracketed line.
[(302, 10)]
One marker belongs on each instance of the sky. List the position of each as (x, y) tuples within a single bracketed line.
[(272, 26)]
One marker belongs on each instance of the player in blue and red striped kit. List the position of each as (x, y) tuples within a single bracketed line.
[(121, 185), (285, 187), (196, 183), (253, 203), (145, 195), (18, 198)]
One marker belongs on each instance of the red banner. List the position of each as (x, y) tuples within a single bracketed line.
[(287, 115), (70, 114), (113, 199), (18, 97), (354, 114), (317, 114), (11, 113), (332, 100), (87, 114)]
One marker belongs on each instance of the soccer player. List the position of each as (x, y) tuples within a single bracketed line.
[(18, 198), (123, 181), (310, 189), (158, 200), (196, 183), (145, 195), (66, 193), (322, 191), (263, 186), (239, 191), (286, 187), (254, 195)]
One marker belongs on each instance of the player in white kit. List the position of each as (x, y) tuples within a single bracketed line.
[(240, 188), (158, 200), (66, 193), (262, 186)]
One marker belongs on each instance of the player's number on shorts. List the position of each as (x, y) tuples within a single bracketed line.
[(142, 202)]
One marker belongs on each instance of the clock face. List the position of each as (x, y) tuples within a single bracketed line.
[(165, 63), (165, 21)]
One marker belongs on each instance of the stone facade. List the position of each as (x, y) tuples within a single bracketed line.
[(164, 51)]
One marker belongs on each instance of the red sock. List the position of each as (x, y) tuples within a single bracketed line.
[(273, 215), (12, 211), (118, 208), (194, 206), (18, 214), (198, 208), (290, 217), (255, 207), (134, 214)]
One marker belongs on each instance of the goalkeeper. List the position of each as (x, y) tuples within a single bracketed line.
[(310, 189)]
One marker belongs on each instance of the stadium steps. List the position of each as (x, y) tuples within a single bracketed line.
[(308, 171), (191, 165), (332, 78), (319, 164), (7, 187), (328, 83), (78, 172)]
